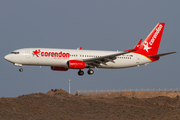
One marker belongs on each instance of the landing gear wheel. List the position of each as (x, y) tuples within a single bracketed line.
[(80, 73), (90, 71), (20, 69)]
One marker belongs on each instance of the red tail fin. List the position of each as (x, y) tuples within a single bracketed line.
[(151, 44)]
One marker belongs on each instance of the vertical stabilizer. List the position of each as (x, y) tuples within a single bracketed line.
[(151, 44)]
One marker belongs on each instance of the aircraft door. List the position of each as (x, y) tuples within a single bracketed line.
[(137, 59), (27, 52)]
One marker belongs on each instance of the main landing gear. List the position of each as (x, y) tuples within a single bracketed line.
[(90, 72), (80, 73)]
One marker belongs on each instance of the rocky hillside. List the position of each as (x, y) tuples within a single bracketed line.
[(60, 105)]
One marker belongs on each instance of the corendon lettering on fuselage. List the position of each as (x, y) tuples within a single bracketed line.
[(38, 53)]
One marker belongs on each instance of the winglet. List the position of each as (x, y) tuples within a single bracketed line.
[(136, 47), (79, 48)]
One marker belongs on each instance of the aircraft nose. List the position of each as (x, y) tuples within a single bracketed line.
[(7, 57)]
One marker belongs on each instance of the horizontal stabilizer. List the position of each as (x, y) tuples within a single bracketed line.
[(159, 55)]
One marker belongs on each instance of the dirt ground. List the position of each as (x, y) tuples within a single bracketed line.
[(60, 105)]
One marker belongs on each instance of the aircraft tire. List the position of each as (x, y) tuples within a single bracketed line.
[(80, 73), (90, 71), (20, 69)]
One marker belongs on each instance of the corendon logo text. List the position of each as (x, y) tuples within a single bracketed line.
[(155, 34), (50, 54)]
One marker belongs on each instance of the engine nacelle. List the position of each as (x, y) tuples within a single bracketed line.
[(56, 68), (76, 64)]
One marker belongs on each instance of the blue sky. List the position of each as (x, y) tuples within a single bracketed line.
[(94, 25)]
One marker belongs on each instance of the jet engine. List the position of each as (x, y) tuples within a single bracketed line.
[(75, 64)]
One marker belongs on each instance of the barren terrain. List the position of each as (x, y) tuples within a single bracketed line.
[(60, 105)]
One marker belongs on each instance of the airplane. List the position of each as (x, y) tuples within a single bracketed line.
[(64, 59)]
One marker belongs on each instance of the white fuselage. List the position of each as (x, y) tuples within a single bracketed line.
[(59, 57)]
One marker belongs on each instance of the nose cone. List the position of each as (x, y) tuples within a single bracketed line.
[(7, 57)]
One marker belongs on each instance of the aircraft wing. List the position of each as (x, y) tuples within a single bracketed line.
[(95, 62)]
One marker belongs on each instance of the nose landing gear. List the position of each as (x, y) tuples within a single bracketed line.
[(20, 69), (19, 65)]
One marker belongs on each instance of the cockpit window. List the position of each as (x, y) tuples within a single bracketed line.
[(14, 52)]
